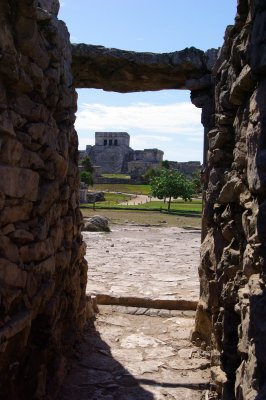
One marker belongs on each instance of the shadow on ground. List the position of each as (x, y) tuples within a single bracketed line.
[(156, 359), (96, 375)]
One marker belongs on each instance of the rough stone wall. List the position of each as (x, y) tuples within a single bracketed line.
[(117, 157), (149, 155), (42, 271), (231, 313), (104, 138), (188, 168)]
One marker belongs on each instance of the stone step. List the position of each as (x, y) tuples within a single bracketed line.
[(131, 301), (126, 354)]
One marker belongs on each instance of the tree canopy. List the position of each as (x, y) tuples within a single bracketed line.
[(196, 181), (87, 165), (171, 184), (86, 177)]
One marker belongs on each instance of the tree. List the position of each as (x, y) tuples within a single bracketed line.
[(86, 177), (155, 171), (165, 164), (171, 184), (196, 182), (87, 165), (150, 173)]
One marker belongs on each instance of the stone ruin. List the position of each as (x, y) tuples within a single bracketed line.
[(112, 154), (42, 270)]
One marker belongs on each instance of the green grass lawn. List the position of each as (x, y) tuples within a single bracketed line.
[(112, 199), (152, 218), (194, 207), (119, 176), (123, 188), (179, 205)]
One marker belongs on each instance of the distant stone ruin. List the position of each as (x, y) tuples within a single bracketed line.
[(113, 155)]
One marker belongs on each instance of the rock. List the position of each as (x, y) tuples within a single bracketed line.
[(36, 251), (93, 197), (132, 71), (49, 193), (242, 86), (19, 183), (11, 275), (97, 223), (231, 190), (17, 213)]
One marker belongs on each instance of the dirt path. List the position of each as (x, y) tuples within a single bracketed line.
[(136, 199)]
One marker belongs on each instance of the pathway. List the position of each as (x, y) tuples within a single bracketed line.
[(130, 356), (139, 349), (144, 266)]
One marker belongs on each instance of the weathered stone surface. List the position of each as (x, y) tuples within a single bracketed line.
[(11, 275), (42, 294), (124, 351), (128, 71), (165, 258), (92, 197), (230, 315), (16, 213), (19, 183)]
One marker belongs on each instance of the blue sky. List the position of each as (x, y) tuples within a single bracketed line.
[(164, 119)]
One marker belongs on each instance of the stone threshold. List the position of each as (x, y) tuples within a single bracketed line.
[(130, 301)]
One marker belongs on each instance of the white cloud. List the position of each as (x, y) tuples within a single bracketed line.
[(83, 141), (174, 128), (175, 118)]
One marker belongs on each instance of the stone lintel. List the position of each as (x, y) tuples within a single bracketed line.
[(128, 71)]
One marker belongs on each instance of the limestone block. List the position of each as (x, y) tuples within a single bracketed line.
[(32, 160), (8, 249), (21, 236), (19, 183), (11, 151), (36, 251), (6, 126), (11, 274), (18, 323), (49, 193), (32, 111), (242, 86), (133, 71), (36, 131), (231, 190), (45, 268), (9, 228)]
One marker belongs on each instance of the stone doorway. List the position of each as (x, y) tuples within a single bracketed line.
[(131, 324)]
